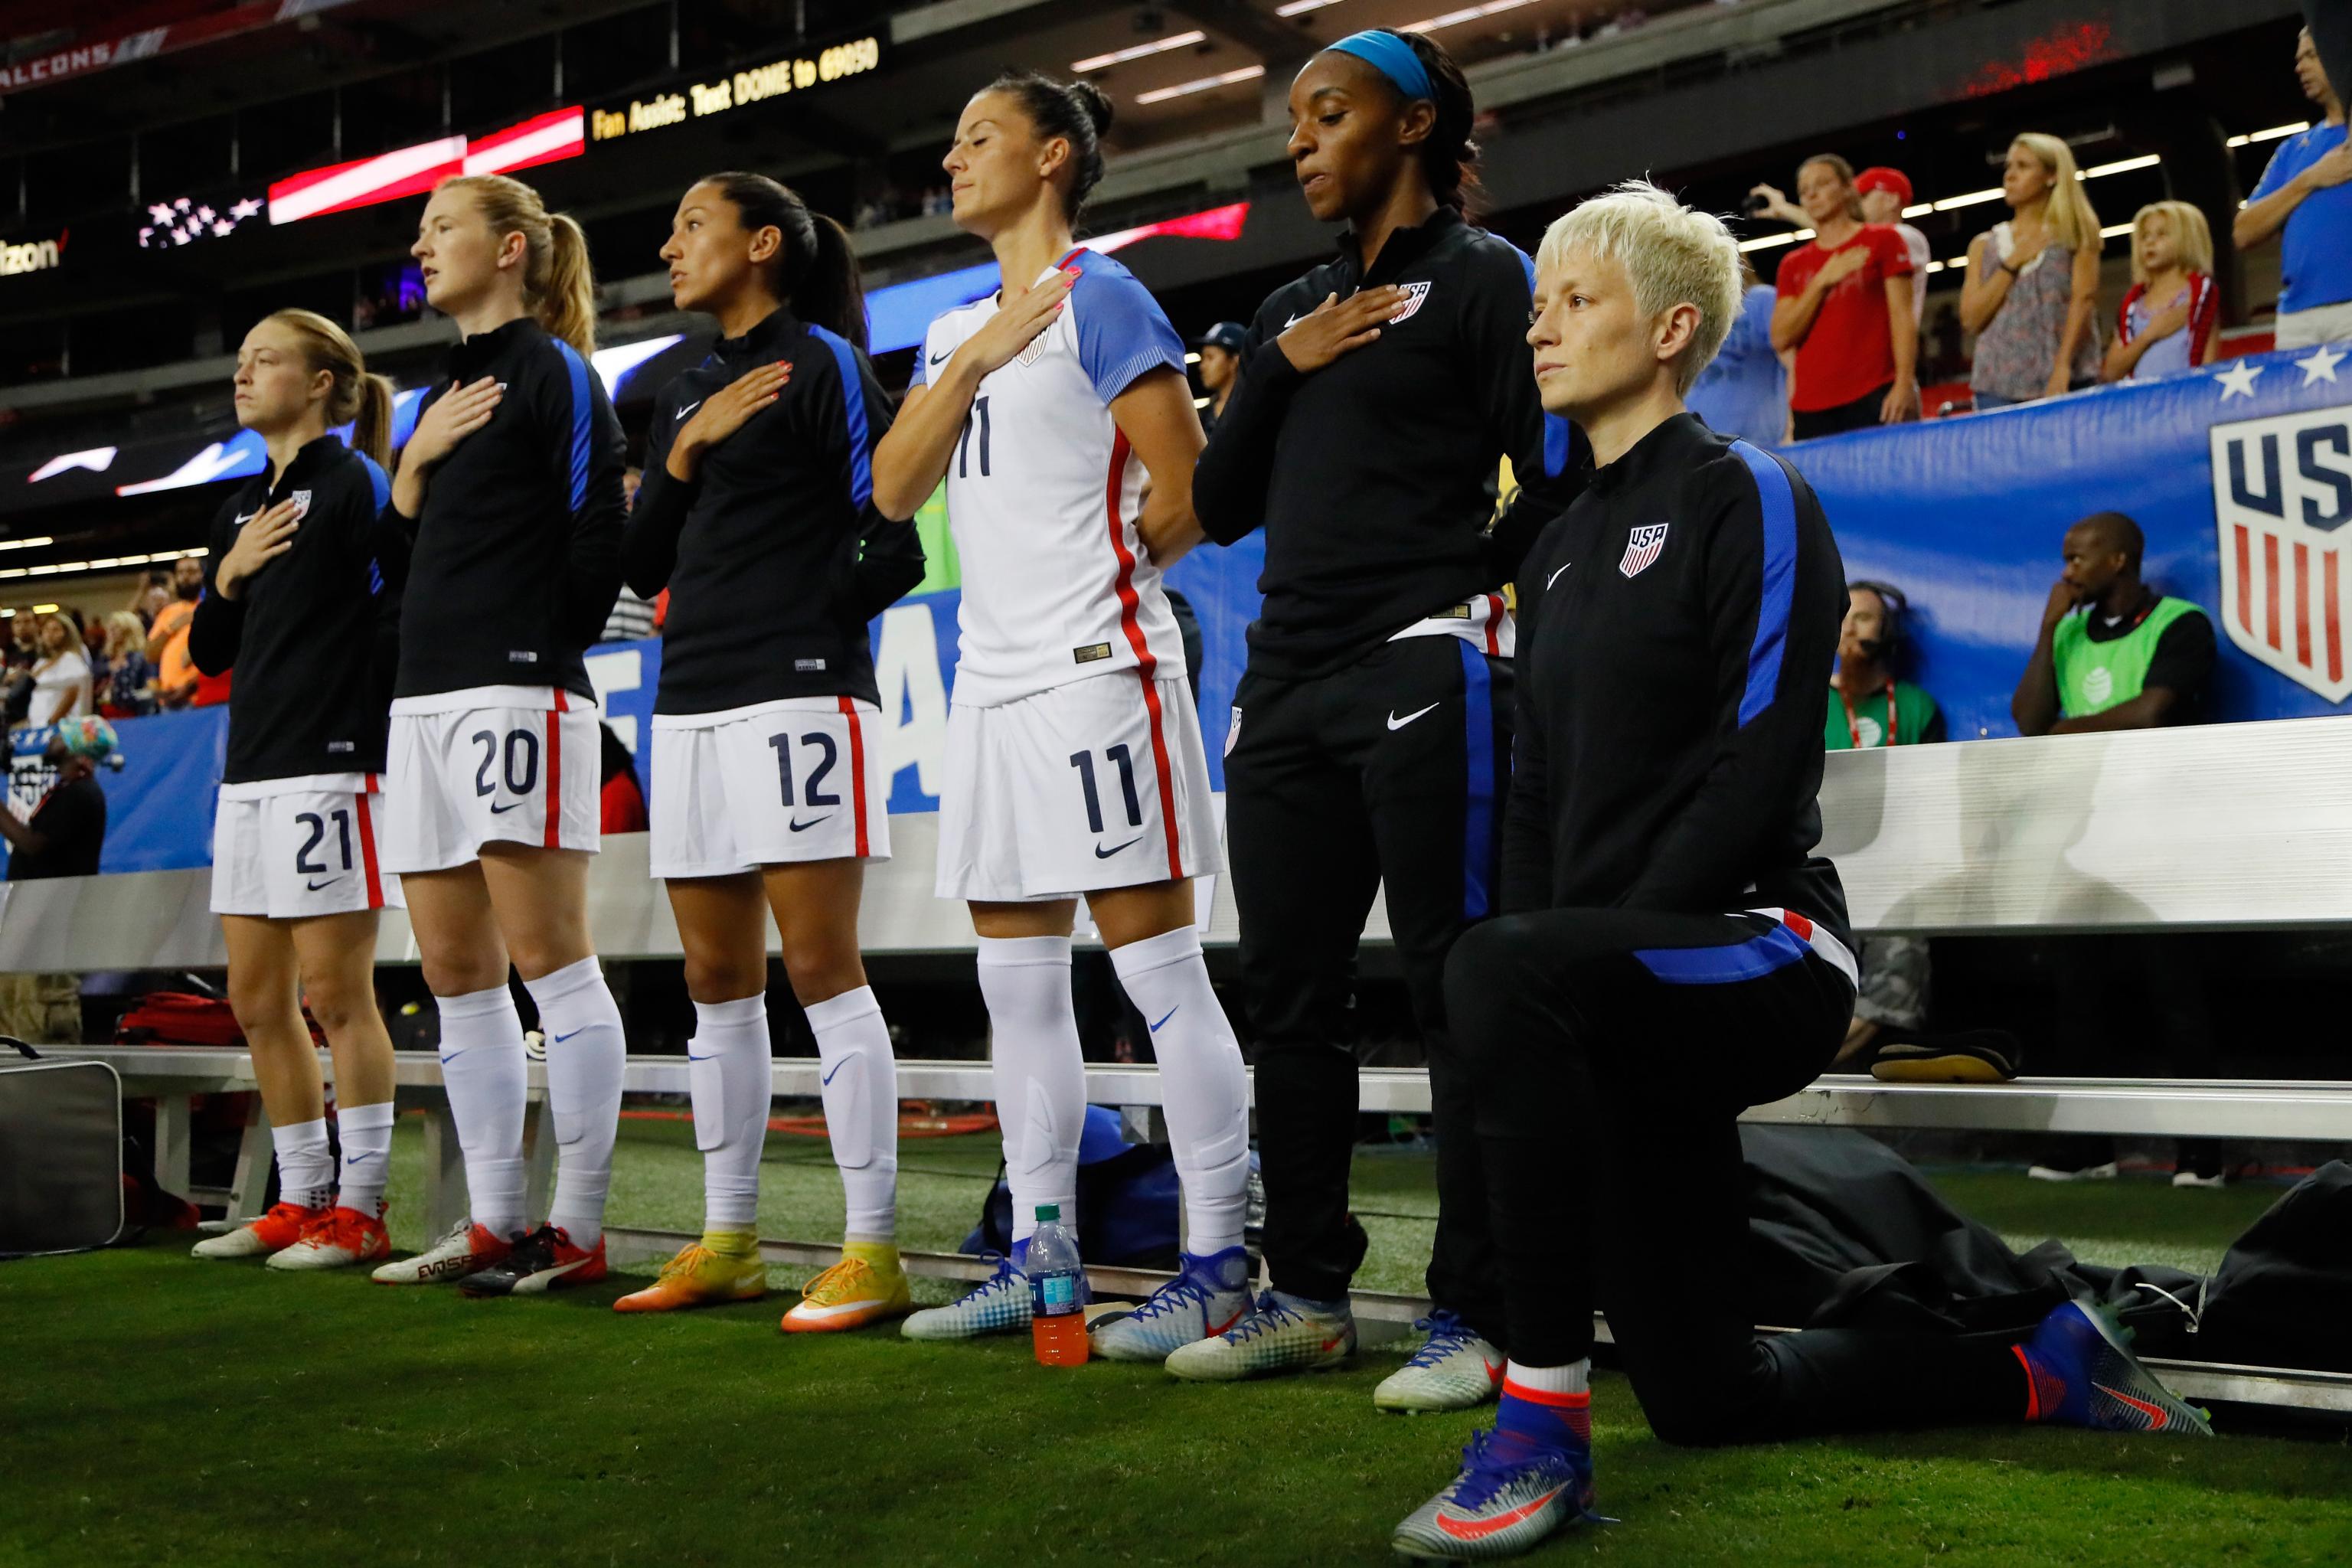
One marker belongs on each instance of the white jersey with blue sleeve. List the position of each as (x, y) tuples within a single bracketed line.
[(1043, 493)]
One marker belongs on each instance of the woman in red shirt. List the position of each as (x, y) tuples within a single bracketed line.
[(1845, 307)]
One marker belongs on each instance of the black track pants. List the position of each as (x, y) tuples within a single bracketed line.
[(1610, 1052), (1391, 769)]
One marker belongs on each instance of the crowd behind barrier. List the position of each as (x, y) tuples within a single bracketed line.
[(2241, 476)]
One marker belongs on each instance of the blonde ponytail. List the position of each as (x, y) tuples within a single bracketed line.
[(356, 398), (557, 283)]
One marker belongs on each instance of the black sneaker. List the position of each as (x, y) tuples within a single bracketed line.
[(1968, 1056), (544, 1260)]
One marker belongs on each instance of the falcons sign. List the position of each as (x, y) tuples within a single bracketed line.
[(2282, 495)]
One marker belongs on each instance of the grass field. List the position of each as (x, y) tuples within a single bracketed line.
[(156, 1408)]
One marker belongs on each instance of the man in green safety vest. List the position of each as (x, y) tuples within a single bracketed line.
[(2115, 654)]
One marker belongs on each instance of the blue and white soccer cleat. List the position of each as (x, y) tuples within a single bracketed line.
[(1509, 1497), (1277, 1336), (1207, 1297), (2080, 1374), (997, 1305), (1456, 1368)]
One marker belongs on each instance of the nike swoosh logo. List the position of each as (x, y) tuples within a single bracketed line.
[(690, 408), (1397, 723), (452, 1057), (1170, 1014), (561, 1038), (2155, 1413), (364, 1154), (509, 806), (712, 1058), (1479, 1529), (1103, 854), (243, 518), (329, 882), (827, 1078), (799, 825), (1335, 1343), (1294, 321), (937, 358), (1555, 577)]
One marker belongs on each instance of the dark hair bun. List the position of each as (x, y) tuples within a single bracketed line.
[(1094, 103)]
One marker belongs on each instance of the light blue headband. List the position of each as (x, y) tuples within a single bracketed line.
[(1393, 57)]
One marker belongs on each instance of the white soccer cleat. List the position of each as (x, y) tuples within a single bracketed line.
[(997, 1305), (280, 1229), (1456, 1369), (1208, 1297), (1277, 1336), (467, 1249)]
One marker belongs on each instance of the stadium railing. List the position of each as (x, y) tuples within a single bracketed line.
[(2216, 828)]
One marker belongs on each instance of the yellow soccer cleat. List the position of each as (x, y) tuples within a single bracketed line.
[(702, 1274), (865, 1287)]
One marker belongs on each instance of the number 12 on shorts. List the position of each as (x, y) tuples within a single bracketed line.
[(1125, 760), (811, 792)]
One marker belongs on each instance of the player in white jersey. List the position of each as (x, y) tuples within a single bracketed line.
[(1074, 765)]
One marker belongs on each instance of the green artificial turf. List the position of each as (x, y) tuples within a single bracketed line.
[(160, 1409)]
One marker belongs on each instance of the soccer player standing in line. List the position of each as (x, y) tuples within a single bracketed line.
[(511, 485), (769, 791), (1074, 765), (1672, 951), (1370, 735), (298, 601)]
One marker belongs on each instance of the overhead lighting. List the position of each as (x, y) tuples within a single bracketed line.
[(1969, 200), (1183, 90), (33, 544), (2122, 166), (1300, 7), (2273, 135), (1772, 241), (1140, 51), (1193, 359), (1467, 13), (44, 609)]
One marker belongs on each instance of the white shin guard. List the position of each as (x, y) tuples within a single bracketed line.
[(727, 1076), (1204, 1085), (860, 1090), (1041, 1083)]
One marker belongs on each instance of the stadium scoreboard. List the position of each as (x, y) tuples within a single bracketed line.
[(736, 89)]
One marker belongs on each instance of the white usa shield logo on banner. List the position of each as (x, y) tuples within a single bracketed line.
[(2281, 496), (1641, 547)]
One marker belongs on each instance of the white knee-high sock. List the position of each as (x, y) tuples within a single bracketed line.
[(305, 1166), (483, 1070), (1041, 1079), (861, 1109), (585, 1054), (1204, 1088), (366, 1133), (728, 1072)]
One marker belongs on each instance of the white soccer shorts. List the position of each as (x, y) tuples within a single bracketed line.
[(771, 785), (495, 764), (1099, 783), (289, 850)]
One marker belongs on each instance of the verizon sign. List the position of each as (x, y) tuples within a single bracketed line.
[(33, 255)]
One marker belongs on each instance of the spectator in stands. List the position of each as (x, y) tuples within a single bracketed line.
[(2171, 317), (62, 837), (153, 593), (129, 688), (2032, 288), (22, 652), (1845, 308), (1221, 358), (61, 680), (1744, 390), (1885, 194), (2115, 654), (620, 799), (167, 635), (2304, 193)]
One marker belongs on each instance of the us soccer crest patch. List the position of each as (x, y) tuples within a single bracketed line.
[(1641, 547), (302, 500), (2282, 495), (1414, 293)]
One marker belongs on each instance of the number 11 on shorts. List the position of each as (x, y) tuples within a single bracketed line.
[(1125, 760)]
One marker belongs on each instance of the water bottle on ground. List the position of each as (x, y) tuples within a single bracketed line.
[(1057, 1292)]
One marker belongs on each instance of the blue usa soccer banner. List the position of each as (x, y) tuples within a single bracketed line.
[(2240, 474)]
